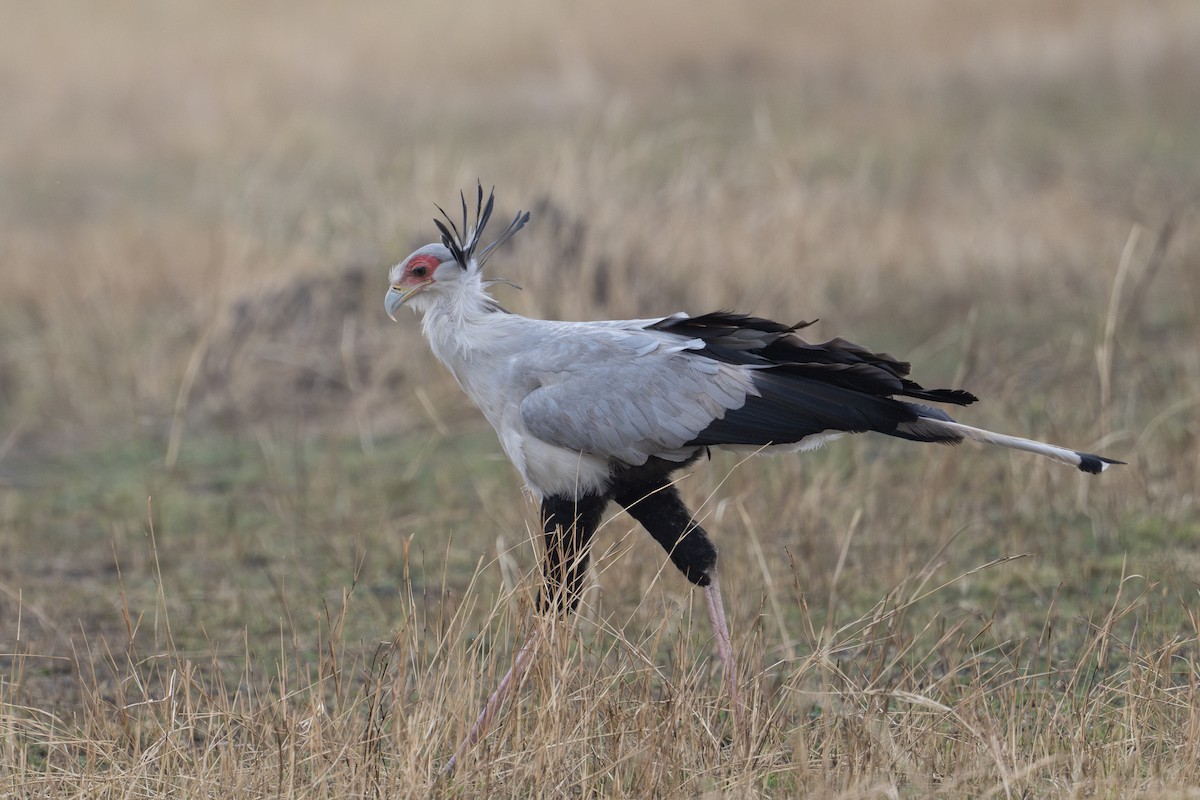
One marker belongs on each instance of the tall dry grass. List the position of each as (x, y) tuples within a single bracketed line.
[(198, 203)]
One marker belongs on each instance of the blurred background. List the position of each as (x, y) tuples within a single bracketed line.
[(199, 202)]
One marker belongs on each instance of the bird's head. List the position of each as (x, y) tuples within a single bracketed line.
[(430, 270), (442, 269)]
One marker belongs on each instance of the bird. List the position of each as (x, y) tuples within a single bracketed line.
[(608, 411)]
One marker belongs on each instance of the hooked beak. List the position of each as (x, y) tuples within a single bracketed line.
[(396, 297)]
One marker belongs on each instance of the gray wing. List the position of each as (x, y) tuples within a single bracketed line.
[(632, 397)]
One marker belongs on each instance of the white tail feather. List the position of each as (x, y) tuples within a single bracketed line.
[(1063, 455)]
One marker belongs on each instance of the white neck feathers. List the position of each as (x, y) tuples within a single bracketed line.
[(455, 321)]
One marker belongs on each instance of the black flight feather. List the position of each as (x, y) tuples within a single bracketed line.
[(805, 388), (766, 344)]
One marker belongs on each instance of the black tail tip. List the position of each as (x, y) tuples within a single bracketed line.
[(1094, 465)]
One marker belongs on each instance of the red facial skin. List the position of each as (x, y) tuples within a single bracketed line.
[(419, 271)]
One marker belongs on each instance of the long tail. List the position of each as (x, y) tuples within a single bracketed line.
[(935, 428)]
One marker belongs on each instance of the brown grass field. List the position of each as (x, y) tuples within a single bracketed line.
[(254, 542)]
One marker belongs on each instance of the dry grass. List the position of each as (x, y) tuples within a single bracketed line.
[(198, 203)]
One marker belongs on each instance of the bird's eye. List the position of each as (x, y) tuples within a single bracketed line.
[(420, 272)]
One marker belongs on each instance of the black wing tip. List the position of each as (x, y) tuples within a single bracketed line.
[(1093, 464), (725, 318), (958, 397)]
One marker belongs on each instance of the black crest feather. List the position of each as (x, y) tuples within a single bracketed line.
[(462, 244)]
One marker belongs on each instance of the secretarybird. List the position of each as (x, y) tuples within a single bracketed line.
[(590, 412)]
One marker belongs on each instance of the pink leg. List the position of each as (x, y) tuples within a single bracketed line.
[(716, 613), (511, 680)]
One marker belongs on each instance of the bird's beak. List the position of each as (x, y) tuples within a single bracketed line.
[(396, 297)]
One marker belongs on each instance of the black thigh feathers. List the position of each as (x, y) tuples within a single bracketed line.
[(569, 524), (647, 493), (658, 507)]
